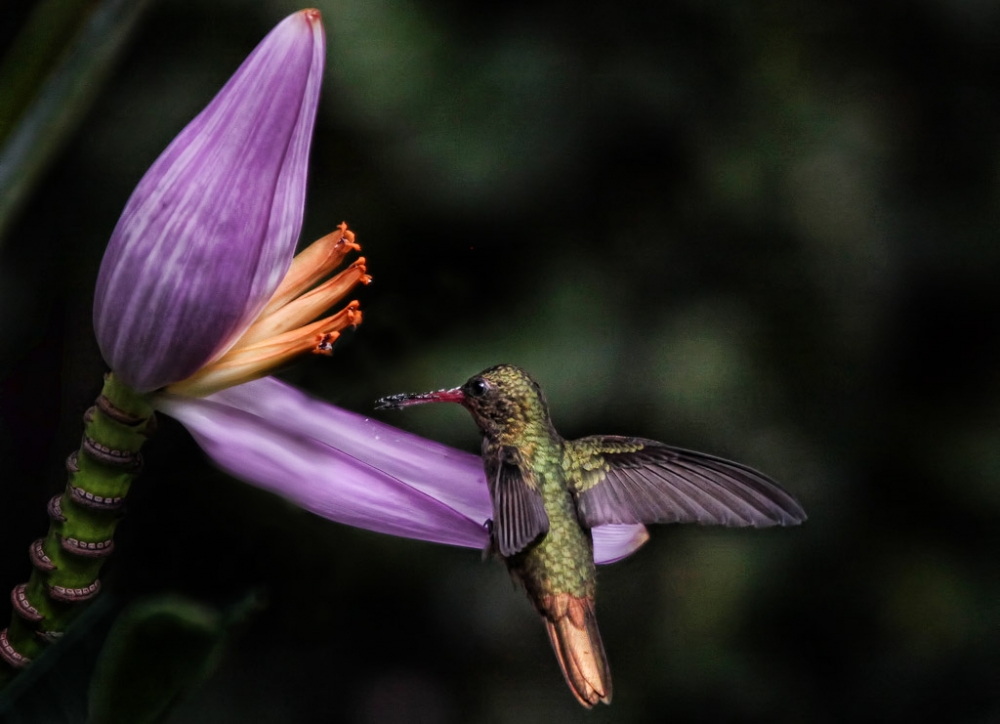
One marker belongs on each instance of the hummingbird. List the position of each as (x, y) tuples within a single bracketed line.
[(547, 494)]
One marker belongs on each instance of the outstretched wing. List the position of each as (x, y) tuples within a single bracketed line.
[(631, 480), (518, 510)]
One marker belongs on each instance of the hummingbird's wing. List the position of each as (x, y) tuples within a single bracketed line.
[(631, 480), (518, 510)]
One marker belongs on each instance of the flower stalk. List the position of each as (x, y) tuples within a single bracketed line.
[(202, 245), (68, 560)]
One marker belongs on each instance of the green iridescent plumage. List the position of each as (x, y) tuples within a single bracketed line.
[(548, 493)]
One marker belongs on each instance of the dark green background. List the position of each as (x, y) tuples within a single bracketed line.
[(767, 231)]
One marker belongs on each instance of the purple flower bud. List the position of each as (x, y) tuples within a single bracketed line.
[(210, 230)]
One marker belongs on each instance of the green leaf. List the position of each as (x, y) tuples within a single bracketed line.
[(157, 652), (48, 79)]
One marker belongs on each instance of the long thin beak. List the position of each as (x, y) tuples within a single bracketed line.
[(405, 399)]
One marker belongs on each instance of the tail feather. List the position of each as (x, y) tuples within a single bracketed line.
[(572, 627)]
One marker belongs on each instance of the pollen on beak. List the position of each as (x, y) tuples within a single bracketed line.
[(405, 399)]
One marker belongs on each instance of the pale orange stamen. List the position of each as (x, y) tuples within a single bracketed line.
[(312, 264), (250, 363), (283, 331), (300, 310)]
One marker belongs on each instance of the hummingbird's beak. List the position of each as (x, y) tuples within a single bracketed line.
[(405, 399)]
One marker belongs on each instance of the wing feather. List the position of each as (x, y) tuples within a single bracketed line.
[(519, 515), (631, 480)]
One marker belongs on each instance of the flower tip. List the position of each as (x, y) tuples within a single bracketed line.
[(347, 236), (365, 277), (354, 313), (324, 343), (303, 24)]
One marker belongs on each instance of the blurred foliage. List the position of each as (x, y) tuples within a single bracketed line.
[(49, 74), (767, 231), (54, 688), (158, 650)]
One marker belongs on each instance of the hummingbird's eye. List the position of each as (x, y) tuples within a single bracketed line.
[(476, 387)]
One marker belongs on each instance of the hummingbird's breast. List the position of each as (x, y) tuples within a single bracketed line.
[(563, 560)]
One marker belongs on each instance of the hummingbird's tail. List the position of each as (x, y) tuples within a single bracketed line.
[(572, 627)]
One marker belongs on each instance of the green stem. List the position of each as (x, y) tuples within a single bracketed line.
[(83, 519)]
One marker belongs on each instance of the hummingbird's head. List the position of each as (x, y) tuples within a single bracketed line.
[(502, 399)]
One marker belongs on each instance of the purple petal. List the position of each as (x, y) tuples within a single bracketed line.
[(331, 481), (614, 542), (353, 469), (210, 230), (452, 476)]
